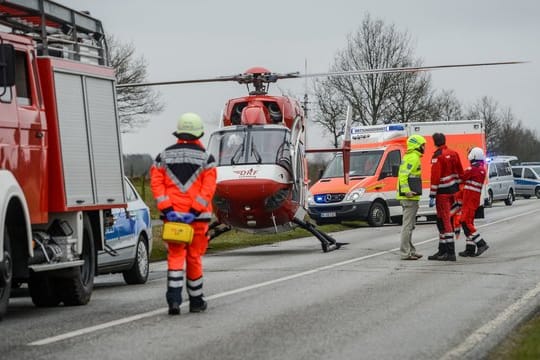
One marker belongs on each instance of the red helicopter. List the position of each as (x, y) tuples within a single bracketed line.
[(260, 151)]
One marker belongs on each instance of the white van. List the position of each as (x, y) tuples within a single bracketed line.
[(500, 185)]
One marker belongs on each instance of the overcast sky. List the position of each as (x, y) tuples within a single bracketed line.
[(203, 38)]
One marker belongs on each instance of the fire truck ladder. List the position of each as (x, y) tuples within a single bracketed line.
[(58, 30)]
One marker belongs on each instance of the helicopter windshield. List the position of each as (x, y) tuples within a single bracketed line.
[(363, 163), (250, 145)]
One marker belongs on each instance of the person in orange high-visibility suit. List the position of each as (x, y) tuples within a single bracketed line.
[(473, 179), (446, 171), (183, 182)]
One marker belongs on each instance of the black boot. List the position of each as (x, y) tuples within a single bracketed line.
[(441, 252), (450, 254), (470, 250), (174, 308), (482, 246), (174, 291), (174, 299), (197, 304)]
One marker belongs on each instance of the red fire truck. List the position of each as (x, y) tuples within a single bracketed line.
[(60, 152)]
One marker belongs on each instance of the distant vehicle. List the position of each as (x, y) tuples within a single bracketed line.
[(128, 240), (500, 185), (527, 179)]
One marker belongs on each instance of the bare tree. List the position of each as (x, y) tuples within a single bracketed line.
[(375, 98), (446, 107), (134, 103), (411, 99), (487, 109), (331, 111)]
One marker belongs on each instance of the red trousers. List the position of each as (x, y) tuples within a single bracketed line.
[(190, 255), (443, 203), (467, 220)]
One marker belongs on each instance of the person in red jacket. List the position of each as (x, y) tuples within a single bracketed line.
[(473, 179), (446, 171), (183, 182)]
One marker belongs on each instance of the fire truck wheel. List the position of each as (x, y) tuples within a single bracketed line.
[(6, 275), (376, 215), (43, 290), (77, 289), (138, 274)]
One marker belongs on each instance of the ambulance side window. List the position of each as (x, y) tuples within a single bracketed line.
[(392, 161)]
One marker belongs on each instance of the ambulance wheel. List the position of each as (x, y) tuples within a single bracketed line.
[(6, 275), (510, 198), (376, 215), (76, 289), (138, 273), (537, 192), (489, 200)]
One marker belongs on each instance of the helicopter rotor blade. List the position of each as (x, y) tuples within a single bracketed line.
[(406, 69), (192, 81), (273, 77)]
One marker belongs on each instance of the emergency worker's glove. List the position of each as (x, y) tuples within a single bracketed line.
[(174, 216), (187, 217), (431, 202)]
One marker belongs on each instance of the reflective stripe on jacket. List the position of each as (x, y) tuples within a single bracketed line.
[(183, 177), (446, 171), (410, 167)]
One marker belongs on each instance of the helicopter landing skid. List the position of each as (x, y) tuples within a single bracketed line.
[(215, 229), (328, 243)]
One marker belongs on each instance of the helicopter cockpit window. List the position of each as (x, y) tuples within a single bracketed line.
[(227, 146), (363, 163), (246, 145), (266, 144)]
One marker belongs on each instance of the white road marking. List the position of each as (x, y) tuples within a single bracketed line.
[(163, 310), (479, 335)]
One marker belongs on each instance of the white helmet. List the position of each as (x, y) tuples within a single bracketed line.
[(476, 154)]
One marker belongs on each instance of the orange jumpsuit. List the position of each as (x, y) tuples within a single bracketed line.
[(183, 179)]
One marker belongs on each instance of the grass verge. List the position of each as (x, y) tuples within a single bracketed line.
[(522, 344)]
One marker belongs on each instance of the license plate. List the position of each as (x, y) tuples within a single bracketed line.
[(328, 214)]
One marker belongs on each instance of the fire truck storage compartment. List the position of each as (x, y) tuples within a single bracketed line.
[(89, 139)]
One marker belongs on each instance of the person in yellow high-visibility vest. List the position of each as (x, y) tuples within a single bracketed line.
[(409, 189)]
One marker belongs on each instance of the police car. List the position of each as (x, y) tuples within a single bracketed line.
[(128, 239), (527, 178)]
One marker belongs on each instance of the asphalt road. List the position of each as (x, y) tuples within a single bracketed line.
[(291, 301)]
